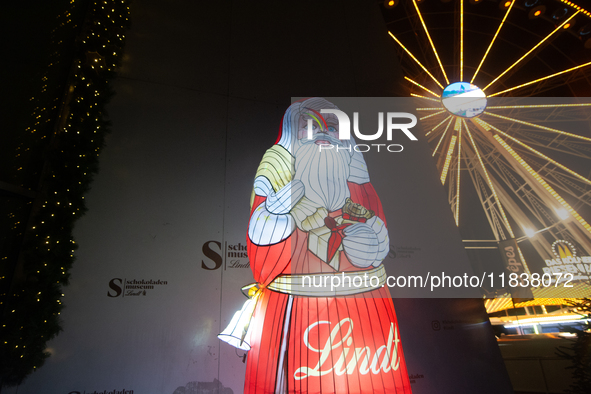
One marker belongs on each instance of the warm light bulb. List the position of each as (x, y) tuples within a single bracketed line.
[(562, 213), (529, 232)]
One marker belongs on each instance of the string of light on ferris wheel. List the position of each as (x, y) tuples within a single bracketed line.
[(426, 98), (440, 123), (416, 60), (493, 40), (461, 40), (443, 135), (534, 106), (434, 114), (421, 86), (529, 106), (457, 212), (430, 40), (448, 158)]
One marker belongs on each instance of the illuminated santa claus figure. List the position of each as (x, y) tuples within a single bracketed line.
[(322, 321)]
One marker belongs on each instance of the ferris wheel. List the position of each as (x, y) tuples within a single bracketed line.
[(479, 70)]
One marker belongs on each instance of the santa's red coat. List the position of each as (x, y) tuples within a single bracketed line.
[(348, 344)]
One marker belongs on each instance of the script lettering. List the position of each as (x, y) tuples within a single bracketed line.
[(385, 358)]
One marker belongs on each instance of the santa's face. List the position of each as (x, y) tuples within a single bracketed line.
[(324, 173), (331, 129)]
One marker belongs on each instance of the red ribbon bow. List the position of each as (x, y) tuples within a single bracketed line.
[(336, 236)]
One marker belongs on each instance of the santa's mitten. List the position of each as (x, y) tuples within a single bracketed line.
[(379, 227), (361, 245)]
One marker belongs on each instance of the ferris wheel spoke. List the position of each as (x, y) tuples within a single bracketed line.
[(416, 60), (537, 106), (421, 86), (433, 114), (457, 197), (430, 40), (540, 79), (443, 135), (531, 50), (488, 126), (492, 41), (486, 199), (490, 184), (424, 97), (448, 158), (539, 126), (461, 43), (476, 165), (437, 126)]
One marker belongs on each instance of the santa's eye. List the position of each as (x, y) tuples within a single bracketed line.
[(332, 128)]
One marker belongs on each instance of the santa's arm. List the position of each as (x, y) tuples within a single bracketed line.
[(271, 225), (276, 192), (270, 221), (268, 259), (367, 244)]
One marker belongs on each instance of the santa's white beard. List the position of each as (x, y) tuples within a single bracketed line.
[(323, 173)]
